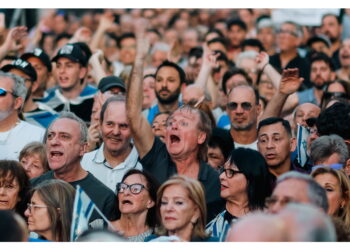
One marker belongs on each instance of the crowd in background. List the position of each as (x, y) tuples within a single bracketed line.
[(179, 124)]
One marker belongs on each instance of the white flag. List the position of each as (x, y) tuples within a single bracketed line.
[(83, 208), (302, 135)]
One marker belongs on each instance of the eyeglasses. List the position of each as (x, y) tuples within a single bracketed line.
[(245, 105), (3, 92), (289, 32), (134, 188), (229, 172), (271, 201), (30, 206)]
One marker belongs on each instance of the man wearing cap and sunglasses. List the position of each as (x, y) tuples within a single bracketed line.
[(14, 133), (37, 114), (71, 94)]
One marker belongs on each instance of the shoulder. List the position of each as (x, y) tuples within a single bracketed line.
[(47, 176)]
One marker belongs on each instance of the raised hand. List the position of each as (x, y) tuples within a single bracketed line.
[(262, 59), (290, 81), (83, 34), (15, 35)]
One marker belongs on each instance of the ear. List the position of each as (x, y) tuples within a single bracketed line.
[(35, 86), (195, 216), (83, 72), (19, 101), (201, 137), (258, 109), (83, 149), (150, 204), (293, 144)]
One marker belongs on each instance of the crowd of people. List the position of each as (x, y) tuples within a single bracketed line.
[(179, 125)]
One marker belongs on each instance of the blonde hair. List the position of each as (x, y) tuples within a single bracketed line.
[(195, 193), (344, 183)]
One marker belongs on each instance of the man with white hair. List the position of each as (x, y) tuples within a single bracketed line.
[(14, 133)]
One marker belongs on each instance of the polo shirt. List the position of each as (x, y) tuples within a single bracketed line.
[(96, 163)]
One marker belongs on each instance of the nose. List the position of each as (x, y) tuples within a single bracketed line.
[(27, 212), (116, 130), (239, 109), (2, 190), (275, 208), (270, 144)]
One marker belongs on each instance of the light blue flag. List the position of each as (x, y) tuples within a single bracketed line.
[(302, 135)]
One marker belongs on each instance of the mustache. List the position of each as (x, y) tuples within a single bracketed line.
[(164, 89)]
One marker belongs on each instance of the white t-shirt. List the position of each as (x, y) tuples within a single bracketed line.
[(13, 141), (95, 162)]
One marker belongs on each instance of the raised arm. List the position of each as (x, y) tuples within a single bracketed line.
[(262, 61), (289, 84), (140, 128)]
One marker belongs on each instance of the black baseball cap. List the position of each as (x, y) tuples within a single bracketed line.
[(72, 52), (109, 82), (23, 66), (41, 55), (319, 38)]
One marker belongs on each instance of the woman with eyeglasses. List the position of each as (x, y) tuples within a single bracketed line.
[(337, 186), (14, 187), (182, 209), (49, 213), (245, 184), (137, 193)]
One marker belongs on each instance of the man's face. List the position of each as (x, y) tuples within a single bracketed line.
[(182, 135), (250, 67), (158, 58), (168, 85), (321, 47), (149, 94), (69, 73), (306, 111), (190, 40), (41, 71), (275, 144), (266, 37), (192, 93), (115, 129), (331, 28), (7, 102), (287, 38), (217, 46), (235, 80), (244, 111), (236, 35), (290, 190), (320, 74), (64, 148), (128, 50), (344, 53)]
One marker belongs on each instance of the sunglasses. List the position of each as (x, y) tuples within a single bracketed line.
[(3, 92), (245, 105)]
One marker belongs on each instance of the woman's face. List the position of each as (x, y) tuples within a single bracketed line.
[(130, 203), (177, 210), (235, 186), (333, 190), (159, 126), (9, 193), (38, 216), (33, 165)]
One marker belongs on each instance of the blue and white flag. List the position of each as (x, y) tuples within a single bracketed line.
[(83, 208), (302, 136)]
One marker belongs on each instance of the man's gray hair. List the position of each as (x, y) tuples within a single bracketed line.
[(316, 193), (250, 54), (72, 116), (326, 145), (298, 29), (19, 88), (306, 222)]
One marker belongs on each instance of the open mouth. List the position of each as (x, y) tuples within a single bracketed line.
[(270, 156), (174, 139), (127, 202), (54, 154)]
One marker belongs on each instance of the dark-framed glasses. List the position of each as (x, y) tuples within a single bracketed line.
[(245, 105), (229, 172), (3, 92), (134, 188)]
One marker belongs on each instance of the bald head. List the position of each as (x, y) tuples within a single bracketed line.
[(305, 111), (192, 92)]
